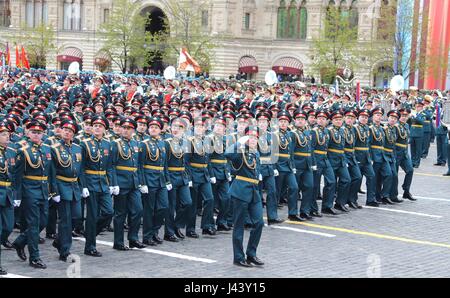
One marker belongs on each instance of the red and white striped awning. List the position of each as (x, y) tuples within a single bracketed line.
[(247, 64), (288, 65), (102, 58), (71, 55)]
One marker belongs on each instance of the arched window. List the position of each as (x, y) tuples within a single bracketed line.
[(5, 13), (282, 20), (388, 15), (73, 13), (330, 19), (292, 21), (353, 15), (303, 22), (36, 12)]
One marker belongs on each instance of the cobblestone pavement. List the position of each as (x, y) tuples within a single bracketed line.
[(411, 239)]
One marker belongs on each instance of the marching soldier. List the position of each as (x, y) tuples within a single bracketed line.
[(416, 140), (198, 163), (427, 125), (381, 166), (246, 198), (441, 140), (96, 175), (85, 134), (127, 200), (268, 167), (303, 162), (285, 165), (50, 230), (338, 161), (403, 157), (363, 157), (67, 158), (390, 130), (320, 140), (7, 199), (33, 164), (179, 196), (353, 168), (155, 182), (219, 169)]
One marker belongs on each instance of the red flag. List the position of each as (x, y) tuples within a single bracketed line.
[(8, 55), (18, 58), (25, 61), (186, 62)]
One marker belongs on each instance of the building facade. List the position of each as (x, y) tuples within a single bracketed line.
[(260, 34)]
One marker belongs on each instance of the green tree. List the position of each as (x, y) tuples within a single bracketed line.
[(189, 28), (124, 34), (335, 46), (39, 42)]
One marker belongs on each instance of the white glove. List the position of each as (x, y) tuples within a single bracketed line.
[(294, 170), (229, 177), (57, 199), (260, 177), (143, 189), (190, 184), (85, 193), (314, 168), (116, 190), (276, 173), (111, 190), (213, 180), (169, 186), (17, 203)]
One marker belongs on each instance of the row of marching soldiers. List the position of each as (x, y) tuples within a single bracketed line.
[(160, 170)]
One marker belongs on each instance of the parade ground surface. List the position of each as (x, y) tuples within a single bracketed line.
[(411, 239)]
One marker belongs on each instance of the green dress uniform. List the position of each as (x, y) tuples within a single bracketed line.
[(353, 167), (441, 142), (67, 159), (416, 141), (320, 140), (96, 175), (50, 230), (364, 159), (7, 162), (268, 160), (78, 224), (381, 162), (219, 169), (427, 130), (244, 192), (338, 161), (403, 159), (154, 174), (390, 151), (179, 196), (286, 169), (198, 164), (125, 165), (303, 163), (33, 164)]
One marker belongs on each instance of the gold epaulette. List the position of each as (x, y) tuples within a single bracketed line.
[(46, 145), (11, 148)]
